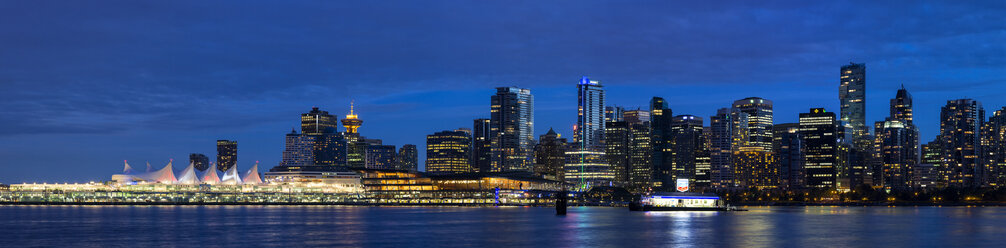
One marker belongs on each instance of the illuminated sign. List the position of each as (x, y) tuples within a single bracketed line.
[(682, 185)]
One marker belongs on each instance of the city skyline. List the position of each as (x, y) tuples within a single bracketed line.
[(97, 115)]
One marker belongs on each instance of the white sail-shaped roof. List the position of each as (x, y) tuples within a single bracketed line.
[(128, 169), (210, 176), (252, 177), (149, 169), (188, 175), (164, 175), (231, 176)]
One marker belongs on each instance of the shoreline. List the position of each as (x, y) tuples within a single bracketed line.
[(478, 204)]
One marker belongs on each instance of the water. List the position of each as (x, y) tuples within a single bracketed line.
[(197, 226)]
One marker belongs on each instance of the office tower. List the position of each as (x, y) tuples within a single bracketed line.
[(381, 157), (512, 127), (925, 176), (408, 158), (636, 117), (852, 98), (895, 151), (586, 167), (932, 154), (616, 143), (901, 105), (640, 155), (728, 131), (550, 156), (788, 146), (818, 129), (703, 161), (448, 152), (481, 145), (227, 154), (960, 126), (994, 143), (317, 122), (754, 166), (660, 138), (759, 121), (199, 161), (589, 130), (613, 113), (688, 143), (356, 147), (299, 149)]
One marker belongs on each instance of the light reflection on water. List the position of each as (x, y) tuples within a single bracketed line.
[(190, 226)]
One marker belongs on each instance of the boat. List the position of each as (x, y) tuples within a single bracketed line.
[(680, 201)]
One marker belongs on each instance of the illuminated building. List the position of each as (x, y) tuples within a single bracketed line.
[(317, 122), (616, 143), (381, 157), (728, 130), (662, 141), (636, 116), (640, 156), (512, 127), (925, 176), (896, 144), (759, 121), (755, 167), (199, 161), (788, 146), (901, 105), (818, 129), (994, 143), (550, 156), (960, 127), (448, 152), (687, 145), (490, 181), (587, 167), (227, 154), (299, 150), (481, 159), (852, 98), (613, 113), (408, 158), (589, 131), (314, 175), (352, 122)]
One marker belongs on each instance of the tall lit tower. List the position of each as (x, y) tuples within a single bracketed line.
[(511, 124), (760, 115), (589, 131), (352, 122), (960, 137), (852, 98)]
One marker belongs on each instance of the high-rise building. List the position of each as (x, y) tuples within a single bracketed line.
[(587, 167), (381, 157), (550, 156), (728, 131), (481, 145), (852, 99), (299, 149), (960, 133), (408, 158), (994, 143), (352, 122), (616, 143), (199, 161), (788, 146), (932, 154), (589, 130), (661, 140), (759, 121), (613, 113), (356, 146), (901, 105), (318, 122), (636, 116), (925, 176), (512, 127), (227, 154), (818, 129), (448, 152), (754, 166), (688, 144), (640, 155), (896, 152)]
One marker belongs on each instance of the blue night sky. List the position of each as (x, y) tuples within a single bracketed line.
[(87, 84)]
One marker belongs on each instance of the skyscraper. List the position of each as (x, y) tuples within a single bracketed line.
[(901, 105), (896, 145), (512, 127), (589, 130), (317, 122), (759, 121), (755, 167), (616, 143), (381, 157), (407, 158), (640, 157), (688, 143), (960, 127), (852, 99), (613, 113), (299, 149), (227, 154), (661, 140), (448, 152), (550, 156), (788, 146), (199, 161), (728, 131), (636, 116), (482, 145), (818, 129), (994, 143)]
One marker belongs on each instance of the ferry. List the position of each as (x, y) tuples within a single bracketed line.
[(680, 201)]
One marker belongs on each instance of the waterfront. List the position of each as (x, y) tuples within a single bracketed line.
[(188, 226)]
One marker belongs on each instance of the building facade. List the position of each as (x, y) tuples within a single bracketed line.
[(227, 154), (408, 158), (662, 142), (199, 161), (550, 156), (852, 99), (481, 145), (760, 118), (789, 146), (755, 167), (589, 130), (818, 129), (728, 130), (960, 127), (448, 152), (512, 127)]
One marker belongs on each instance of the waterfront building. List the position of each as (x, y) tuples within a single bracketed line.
[(925, 176), (587, 168), (550, 156), (408, 158), (754, 166), (613, 113), (640, 155), (852, 99), (589, 130), (960, 133), (818, 129), (329, 176), (616, 142), (199, 161), (636, 116), (448, 152), (352, 123), (512, 127), (789, 146), (728, 130), (662, 142), (994, 143), (760, 116), (227, 154), (896, 151), (688, 144), (318, 122), (481, 145), (492, 181), (381, 157), (299, 150)]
